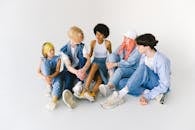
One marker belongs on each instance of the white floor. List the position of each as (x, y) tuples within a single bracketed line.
[(25, 25), (23, 108)]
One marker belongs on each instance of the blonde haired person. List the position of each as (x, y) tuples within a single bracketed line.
[(77, 62), (49, 70)]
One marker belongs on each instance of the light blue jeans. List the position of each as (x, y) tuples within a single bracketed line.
[(57, 85), (143, 78), (119, 73)]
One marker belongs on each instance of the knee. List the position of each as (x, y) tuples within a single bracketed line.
[(94, 65), (122, 83), (99, 81), (118, 72)]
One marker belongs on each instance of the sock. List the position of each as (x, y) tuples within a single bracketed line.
[(123, 92)]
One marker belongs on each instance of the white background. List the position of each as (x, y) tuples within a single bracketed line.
[(26, 24)]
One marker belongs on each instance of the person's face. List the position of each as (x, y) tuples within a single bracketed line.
[(100, 37), (141, 48), (51, 53), (78, 39)]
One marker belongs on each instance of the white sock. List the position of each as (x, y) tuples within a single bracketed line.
[(123, 92)]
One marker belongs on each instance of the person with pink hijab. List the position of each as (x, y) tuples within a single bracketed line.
[(121, 63)]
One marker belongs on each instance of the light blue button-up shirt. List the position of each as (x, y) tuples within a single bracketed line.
[(161, 66)]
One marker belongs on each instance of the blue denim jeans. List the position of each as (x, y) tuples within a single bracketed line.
[(143, 78), (47, 69), (119, 73), (101, 62), (69, 78)]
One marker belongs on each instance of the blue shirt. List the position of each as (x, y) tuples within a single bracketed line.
[(132, 61), (161, 66)]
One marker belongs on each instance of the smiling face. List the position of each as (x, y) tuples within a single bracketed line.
[(100, 37)]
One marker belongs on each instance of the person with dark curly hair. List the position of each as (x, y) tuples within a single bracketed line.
[(99, 48), (150, 79)]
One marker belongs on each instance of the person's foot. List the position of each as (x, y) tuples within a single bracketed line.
[(104, 90), (68, 99), (89, 96), (112, 101), (51, 105), (160, 98), (77, 89), (48, 91), (81, 95)]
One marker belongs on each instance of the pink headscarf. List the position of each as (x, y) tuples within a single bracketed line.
[(127, 47), (128, 43)]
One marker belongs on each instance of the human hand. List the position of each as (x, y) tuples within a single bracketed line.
[(81, 74), (110, 65), (48, 80), (143, 101)]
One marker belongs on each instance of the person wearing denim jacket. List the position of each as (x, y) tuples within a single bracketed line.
[(49, 71), (76, 63), (121, 63), (151, 78)]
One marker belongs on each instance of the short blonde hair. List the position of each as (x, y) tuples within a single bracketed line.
[(74, 32), (46, 47)]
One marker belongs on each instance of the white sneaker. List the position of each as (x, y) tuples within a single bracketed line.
[(51, 105), (105, 90), (160, 98), (48, 91), (77, 89), (68, 99), (89, 96), (112, 101)]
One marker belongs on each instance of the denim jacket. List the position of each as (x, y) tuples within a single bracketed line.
[(66, 49), (132, 61)]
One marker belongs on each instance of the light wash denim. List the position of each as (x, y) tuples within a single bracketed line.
[(157, 80), (69, 78), (48, 67), (125, 67), (101, 62)]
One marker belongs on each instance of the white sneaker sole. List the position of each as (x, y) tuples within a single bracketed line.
[(161, 98), (105, 105), (102, 90), (51, 106), (68, 99), (91, 99)]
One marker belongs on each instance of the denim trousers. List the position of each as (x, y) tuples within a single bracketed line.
[(57, 85), (143, 78)]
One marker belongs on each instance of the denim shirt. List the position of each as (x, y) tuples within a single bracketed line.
[(51, 63), (162, 69), (132, 61)]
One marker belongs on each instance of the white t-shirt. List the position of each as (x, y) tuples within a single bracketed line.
[(149, 62)]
